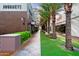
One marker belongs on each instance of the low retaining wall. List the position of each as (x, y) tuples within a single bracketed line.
[(10, 42)]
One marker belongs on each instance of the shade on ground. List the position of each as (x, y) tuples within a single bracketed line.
[(55, 47)]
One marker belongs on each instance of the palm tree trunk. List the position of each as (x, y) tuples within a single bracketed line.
[(53, 24), (47, 28), (48, 25), (68, 31)]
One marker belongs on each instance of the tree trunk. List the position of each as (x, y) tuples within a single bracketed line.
[(68, 31), (53, 24), (48, 26), (47, 29)]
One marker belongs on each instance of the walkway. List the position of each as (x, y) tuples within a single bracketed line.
[(32, 48)]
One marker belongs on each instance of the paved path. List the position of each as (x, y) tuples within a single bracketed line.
[(33, 47)]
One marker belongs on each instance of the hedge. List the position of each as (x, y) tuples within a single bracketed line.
[(24, 35)]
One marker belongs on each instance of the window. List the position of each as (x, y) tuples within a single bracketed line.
[(11, 6)]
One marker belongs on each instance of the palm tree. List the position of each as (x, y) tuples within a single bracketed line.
[(46, 13), (53, 9), (43, 20), (68, 7)]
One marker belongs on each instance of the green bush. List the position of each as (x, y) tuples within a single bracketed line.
[(24, 35)]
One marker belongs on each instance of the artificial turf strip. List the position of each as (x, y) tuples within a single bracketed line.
[(55, 47)]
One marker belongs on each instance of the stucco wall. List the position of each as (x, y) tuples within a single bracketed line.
[(10, 21), (75, 27)]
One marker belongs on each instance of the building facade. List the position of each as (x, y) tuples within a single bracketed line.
[(36, 16), (61, 21), (14, 17)]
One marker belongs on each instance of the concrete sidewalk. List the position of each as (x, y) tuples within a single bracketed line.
[(32, 48)]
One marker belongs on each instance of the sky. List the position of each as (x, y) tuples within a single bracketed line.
[(35, 5)]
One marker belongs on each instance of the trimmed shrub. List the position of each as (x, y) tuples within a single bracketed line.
[(24, 35)]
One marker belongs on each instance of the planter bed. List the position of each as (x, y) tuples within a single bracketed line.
[(9, 42), (12, 42), (24, 35)]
